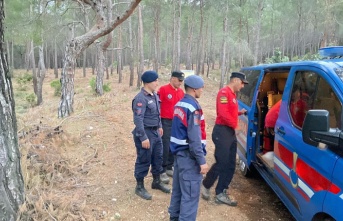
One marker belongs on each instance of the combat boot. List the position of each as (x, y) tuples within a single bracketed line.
[(174, 219), (223, 198), (164, 178), (141, 191), (157, 184)]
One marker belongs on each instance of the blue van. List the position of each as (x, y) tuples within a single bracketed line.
[(304, 164)]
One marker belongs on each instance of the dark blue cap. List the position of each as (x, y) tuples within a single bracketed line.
[(149, 76), (194, 81), (240, 75)]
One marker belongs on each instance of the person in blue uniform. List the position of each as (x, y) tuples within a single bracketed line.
[(187, 143), (147, 135)]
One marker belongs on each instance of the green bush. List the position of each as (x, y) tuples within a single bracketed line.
[(56, 84), (31, 99), (105, 87), (23, 80)]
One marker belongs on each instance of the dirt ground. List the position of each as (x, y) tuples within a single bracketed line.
[(87, 161)]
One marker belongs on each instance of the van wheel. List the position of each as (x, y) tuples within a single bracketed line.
[(244, 169)]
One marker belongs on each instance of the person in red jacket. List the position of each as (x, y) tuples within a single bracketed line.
[(169, 94), (225, 141), (269, 125)]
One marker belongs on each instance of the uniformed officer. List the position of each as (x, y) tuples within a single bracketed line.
[(187, 143), (169, 95), (147, 135), (225, 141)]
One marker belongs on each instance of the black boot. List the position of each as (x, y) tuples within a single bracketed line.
[(141, 191), (157, 184), (174, 219)]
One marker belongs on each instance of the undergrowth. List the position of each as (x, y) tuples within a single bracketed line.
[(49, 175)]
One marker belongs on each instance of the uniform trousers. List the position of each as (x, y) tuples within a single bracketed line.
[(147, 157), (168, 158), (225, 141), (186, 187)]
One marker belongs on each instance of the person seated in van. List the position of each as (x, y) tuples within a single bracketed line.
[(298, 106), (270, 121)]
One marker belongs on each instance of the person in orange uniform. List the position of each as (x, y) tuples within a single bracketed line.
[(169, 94), (225, 141), (269, 125)]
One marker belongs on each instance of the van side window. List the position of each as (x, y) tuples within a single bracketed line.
[(327, 99), (311, 91), (303, 92), (246, 94)]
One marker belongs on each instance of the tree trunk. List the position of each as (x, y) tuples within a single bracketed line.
[(34, 71), (260, 7), (140, 47), (177, 36), (40, 76), (223, 60), (189, 42), (55, 61), (156, 60), (84, 61), (11, 179), (78, 44), (131, 59), (119, 56), (200, 51), (100, 69)]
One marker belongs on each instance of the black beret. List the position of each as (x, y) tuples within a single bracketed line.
[(149, 76)]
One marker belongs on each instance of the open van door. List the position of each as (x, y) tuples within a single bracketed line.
[(247, 132)]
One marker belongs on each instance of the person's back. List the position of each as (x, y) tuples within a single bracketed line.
[(270, 121)]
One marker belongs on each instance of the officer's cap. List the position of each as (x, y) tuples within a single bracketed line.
[(149, 76), (178, 74), (240, 75), (194, 81)]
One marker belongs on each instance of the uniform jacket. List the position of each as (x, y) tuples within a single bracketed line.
[(188, 129), (146, 113)]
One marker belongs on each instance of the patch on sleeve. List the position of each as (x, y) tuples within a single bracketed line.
[(139, 104), (197, 119), (138, 111), (223, 100)]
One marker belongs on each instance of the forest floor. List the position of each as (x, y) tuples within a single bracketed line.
[(81, 167)]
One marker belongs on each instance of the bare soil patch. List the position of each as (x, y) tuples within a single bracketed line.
[(81, 167)]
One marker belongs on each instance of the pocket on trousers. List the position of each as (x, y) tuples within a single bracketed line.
[(144, 155), (193, 182)]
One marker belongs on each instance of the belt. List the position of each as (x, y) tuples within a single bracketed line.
[(151, 128)]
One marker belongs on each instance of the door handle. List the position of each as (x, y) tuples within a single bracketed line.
[(280, 130)]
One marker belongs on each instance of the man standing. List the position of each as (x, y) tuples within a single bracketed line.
[(147, 135), (187, 143), (225, 141), (169, 95)]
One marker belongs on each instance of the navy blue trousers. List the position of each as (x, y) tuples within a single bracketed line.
[(225, 141), (168, 157), (186, 187), (147, 157)]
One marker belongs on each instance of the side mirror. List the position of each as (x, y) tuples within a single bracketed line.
[(316, 129), (315, 120)]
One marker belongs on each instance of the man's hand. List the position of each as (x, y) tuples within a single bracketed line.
[(146, 144), (160, 130), (204, 168), (243, 111)]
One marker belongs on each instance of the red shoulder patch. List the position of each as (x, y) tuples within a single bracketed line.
[(139, 104)]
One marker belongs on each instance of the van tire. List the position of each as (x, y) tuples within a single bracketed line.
[(244, 169)]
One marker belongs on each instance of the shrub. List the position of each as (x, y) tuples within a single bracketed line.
[(105, 87), (31, 99), (23, 80), (56, 84)]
